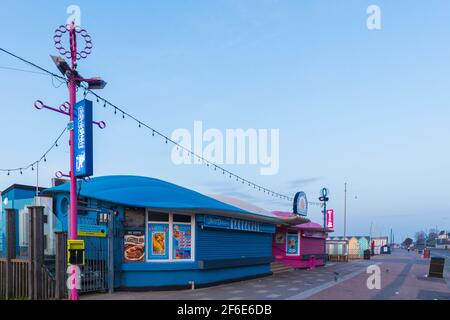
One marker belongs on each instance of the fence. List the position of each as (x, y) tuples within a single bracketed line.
[(2, 278), (27, 277)]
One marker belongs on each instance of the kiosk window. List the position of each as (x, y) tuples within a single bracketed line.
[(169, 236), (158, 216), (181, 218), (134, 217)]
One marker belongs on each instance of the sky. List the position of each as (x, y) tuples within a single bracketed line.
[(366, 107)]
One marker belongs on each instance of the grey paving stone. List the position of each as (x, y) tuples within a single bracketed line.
[(262, 291), (236, 291)]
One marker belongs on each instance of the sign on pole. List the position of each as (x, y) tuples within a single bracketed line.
[(83, 139), (300, 204), (330, 219)]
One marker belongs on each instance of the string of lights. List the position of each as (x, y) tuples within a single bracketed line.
[(154, 132), (43, 158), (186, 151)]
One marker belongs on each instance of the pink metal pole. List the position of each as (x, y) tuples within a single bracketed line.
[(73, 181)]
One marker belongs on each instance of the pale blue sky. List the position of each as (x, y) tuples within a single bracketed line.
[(367, 107)]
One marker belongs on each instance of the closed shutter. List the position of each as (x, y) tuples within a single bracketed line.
[(312, 246), (215, 244)]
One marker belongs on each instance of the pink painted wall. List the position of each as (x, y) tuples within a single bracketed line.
[(308, 246)]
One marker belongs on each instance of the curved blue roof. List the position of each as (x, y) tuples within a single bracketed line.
[(147, 192)]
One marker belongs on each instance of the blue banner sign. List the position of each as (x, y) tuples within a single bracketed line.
[(83, 136), (237, 224)]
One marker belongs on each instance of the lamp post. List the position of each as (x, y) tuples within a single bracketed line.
[(345, 209), (324, 199), (74, 79)]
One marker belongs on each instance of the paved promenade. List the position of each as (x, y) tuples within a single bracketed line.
[(403, 276)]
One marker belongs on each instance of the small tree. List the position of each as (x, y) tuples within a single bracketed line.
[(420, 237), (432, 235), (408, 242)]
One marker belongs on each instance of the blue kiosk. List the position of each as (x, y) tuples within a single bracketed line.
[(165, 235)]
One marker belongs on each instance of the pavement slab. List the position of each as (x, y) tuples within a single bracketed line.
[(402, 277)]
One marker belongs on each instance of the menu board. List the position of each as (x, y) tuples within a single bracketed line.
[(158, 234), (134, 218), (134, 246), (292, 244), (182, 241)]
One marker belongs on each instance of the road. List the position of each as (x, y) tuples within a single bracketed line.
[(403, 275)]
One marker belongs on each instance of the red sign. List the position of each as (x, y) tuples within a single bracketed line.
[(330, 219)]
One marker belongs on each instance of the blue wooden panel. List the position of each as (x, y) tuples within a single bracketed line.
[(182, 277), (223, 244)]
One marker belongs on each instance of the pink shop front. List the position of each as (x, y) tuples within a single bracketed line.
[(300, 246)]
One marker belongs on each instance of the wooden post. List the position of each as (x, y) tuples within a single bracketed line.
[(30, 254), (10, 250), (61, 264), (37, 245)]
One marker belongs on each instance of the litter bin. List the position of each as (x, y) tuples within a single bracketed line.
[(385, 249), (426, 253), (436, 267), (367, 254)]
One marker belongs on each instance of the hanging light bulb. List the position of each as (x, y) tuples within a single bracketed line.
[(153, 133), (115, 110), (104, 104), (8, 173), (139, 124), (20, 171), (45, 159)]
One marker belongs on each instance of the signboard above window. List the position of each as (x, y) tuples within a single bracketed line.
[(212, 221)]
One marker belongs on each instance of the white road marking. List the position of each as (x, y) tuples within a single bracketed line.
[(308, 293)]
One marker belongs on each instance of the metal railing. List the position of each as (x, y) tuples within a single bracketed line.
[(48, 284)]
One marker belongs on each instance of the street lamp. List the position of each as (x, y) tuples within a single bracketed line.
[(324, 193), (74, 80)]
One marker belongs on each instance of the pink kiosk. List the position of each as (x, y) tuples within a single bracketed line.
[(300, 245)]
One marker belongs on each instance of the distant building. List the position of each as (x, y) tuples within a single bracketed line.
[(356, 245), (19, 197), (443, 235)]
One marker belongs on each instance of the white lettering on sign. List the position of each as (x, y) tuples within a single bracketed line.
[(81, 129)]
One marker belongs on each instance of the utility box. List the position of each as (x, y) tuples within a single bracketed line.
[(367, 254), (436, 267), (75, 252)]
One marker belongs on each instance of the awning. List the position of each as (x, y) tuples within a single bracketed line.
[(144, 192)]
